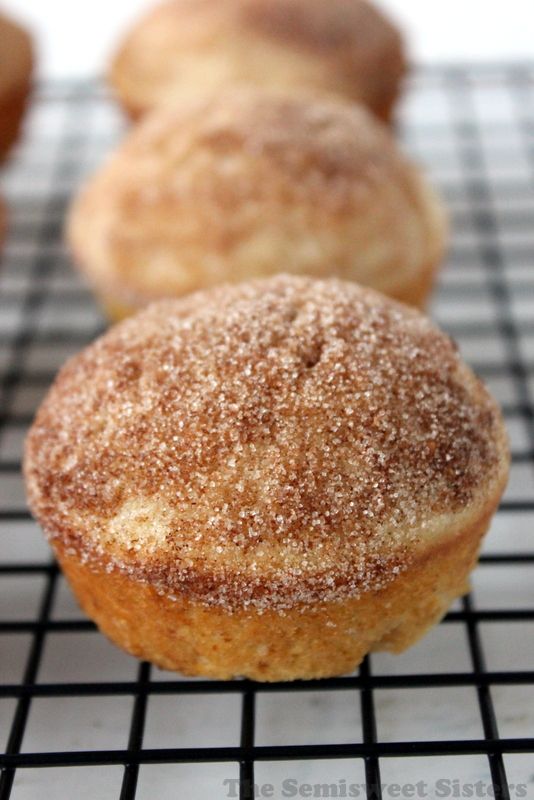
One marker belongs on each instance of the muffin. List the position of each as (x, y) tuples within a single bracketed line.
[(16, 64), (269, 480), (249, 183), (346, 48)]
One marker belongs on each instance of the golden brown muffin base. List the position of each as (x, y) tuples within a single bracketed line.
[(305, 642)]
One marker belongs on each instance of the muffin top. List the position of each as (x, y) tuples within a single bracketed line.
[(230, 187), (345, 47), (268, 444), (16, 56)]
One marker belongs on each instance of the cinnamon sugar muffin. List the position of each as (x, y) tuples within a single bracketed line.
[(246, 184), (269, 479), (343, 47), (16, 64)]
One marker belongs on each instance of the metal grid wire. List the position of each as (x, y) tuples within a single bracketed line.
[(474, 130)]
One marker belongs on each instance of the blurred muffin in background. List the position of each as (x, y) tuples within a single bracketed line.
[(249, 183), (342, 47), (16, 65)]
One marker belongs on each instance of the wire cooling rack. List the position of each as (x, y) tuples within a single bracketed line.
[(455, 711)]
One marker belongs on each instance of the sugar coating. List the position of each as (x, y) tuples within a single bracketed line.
[(264, 445)]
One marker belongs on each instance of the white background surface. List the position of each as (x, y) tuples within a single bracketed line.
[(75, 39)]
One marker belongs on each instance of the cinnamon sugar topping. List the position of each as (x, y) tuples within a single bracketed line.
[(269, 444)]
